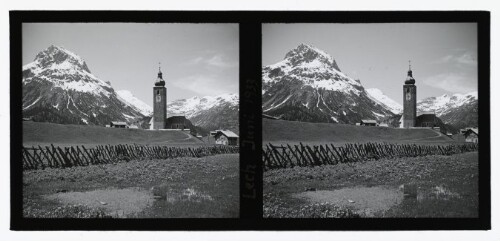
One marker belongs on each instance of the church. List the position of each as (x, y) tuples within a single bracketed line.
[(409, 118), (159, 120)]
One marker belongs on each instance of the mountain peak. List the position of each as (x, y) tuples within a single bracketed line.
[(56, 55), (308, 53)]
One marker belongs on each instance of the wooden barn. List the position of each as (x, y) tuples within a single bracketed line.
[(226, 137)]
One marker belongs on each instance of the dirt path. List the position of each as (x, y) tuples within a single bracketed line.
[(439, 134)]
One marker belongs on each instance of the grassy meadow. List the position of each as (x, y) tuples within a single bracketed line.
[(43, 133), (293, 132), (406, 187), (183, 187)]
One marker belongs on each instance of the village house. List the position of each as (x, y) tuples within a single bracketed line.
[(117, 124), (368, 123), (226, 137), (472, 135)]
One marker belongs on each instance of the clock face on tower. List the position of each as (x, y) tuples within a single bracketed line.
[(158, 98), (408, 96)]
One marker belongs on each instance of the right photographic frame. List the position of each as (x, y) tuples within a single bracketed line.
[(373, 120)]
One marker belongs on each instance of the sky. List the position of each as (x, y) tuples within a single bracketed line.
[(443, 55), (196, 59)]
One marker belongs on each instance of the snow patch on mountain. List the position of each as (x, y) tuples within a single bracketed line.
[(129, 99), (379, 97), (34, 102)]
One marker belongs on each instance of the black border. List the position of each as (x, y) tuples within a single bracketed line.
[(250, 121)]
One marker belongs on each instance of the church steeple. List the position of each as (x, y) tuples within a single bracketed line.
[(409, 101), (159, 79), (409, 79), (160, 74), (159, 102)]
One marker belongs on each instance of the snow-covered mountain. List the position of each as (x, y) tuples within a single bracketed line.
[(379, 97), (128, 98), (459, 110), (308, 85), (59, 87), (446, 103), (209, 112)]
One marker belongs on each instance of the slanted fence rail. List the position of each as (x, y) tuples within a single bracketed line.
[(284, 156), (63, 157)]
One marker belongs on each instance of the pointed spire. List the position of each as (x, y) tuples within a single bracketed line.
[(159, 80), (409, 78), (409, 69), (160, 74)]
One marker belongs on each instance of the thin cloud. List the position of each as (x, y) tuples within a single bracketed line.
[(206, 85), (466, 58), (214, 61), (452, 82)]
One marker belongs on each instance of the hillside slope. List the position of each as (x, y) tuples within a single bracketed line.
[(281, 131), (39, 133)]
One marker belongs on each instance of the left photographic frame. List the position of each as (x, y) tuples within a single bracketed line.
[(124, 120)]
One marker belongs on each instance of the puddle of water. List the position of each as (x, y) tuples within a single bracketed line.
[(121, 203), (118, 202), (365, 199)]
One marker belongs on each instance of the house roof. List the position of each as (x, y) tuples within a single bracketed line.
[(426, 113), (369, 121), (118, 123), (475, 130), (227, 133)]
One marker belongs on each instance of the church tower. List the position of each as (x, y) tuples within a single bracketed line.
[(160, 102), (409, 101)]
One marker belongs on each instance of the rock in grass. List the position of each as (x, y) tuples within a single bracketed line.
[(410, 190), (160, 191)]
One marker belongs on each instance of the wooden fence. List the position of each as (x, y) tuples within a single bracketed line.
[(62, 157), (284, 156)]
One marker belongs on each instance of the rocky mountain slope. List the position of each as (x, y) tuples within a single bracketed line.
[(59, 87), (308, 85)]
